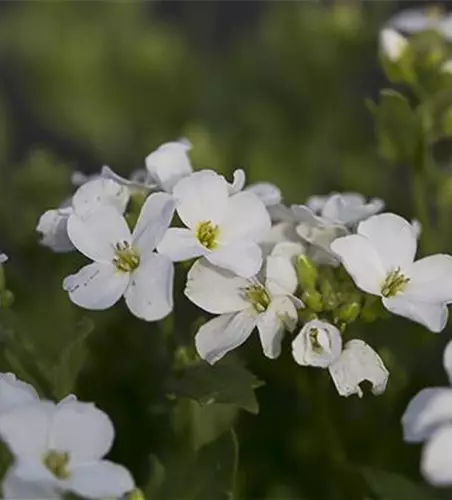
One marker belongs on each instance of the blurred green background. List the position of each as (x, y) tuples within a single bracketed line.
[(276, 88)]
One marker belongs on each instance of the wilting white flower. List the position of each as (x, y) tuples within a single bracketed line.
[(417, 20), (243, 304), (428, 417), (380, 259), (89, 197), (392, 44), (320, 344), (59, 448), (14, 392), (124, 264), (225, 229)]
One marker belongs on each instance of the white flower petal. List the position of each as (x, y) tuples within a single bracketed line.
[(288, 249), (392, 44), (153, 222), (268, 193), (281, 315), (431, 279), (447, 360), (100, 193), (361, 261), (180, 244), (14, 392), (436, 462), (316, 203), (97, 234), (25, 429), (358, 362), (15, 488), (281, 277), (169, 163), (280, 233), (202, 196), (100, 480), (215, 290), (445, 27), (223, 334), (138, 180), (432, 316), (149, 295), (96, 286), (246, 218), (413, 21), (53, 227), (82, 430), (417, 228), (426, 412), (393, 239), (281, 213), (318, 344), (347, 211), (3, 258), (304, 214), (321, 236), (238, 182), (243, 258)]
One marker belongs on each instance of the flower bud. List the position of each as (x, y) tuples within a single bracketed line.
[(318, 344), (307, 272), (348, 312), (135, 494), (313, 300)]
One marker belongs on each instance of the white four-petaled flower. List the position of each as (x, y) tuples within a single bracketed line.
[(225, 229), (320, 344), (380, 259), (243, 304), (428, 417), (124, 263), (59, 448)]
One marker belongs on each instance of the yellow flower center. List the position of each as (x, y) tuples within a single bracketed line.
[(258, 296), (207, 234), (57, 463), (394, 283), (126, 259), (314, 339)]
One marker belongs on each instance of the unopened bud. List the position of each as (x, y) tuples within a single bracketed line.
[(313, 300), (307, 272), (135, 494), (348, 312)]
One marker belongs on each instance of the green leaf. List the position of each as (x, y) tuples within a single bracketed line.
[(436, 114), (207, 475), (391, 486), (225, 382), (398, 128), (72, 359)]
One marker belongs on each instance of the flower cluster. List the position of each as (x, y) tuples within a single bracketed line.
[(256, 263), (57, 447)]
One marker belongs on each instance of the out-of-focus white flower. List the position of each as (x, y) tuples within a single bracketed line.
[(428, 417), (268, 193), (225, 229), (446, 67), (380, 260), (14, 392), (59, 448), (392, 44), (3, 258), (124, 264), (320, 344), (89, 197), (412, 21), (242, 305)]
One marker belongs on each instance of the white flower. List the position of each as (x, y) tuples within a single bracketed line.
[(417, 20), (428, 417), (3, 258), (14, 392), (89, 197), (15, 488), (268, 193), (59, 447), (446, 67), (243, 304), (392, 44), (124, 263), (380, 259), (320, 344), (279, 233), (225, 229)]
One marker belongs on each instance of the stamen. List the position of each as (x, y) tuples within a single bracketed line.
[(57, 463), (258, 296), (207, 234), (126, 258), (394, 283)]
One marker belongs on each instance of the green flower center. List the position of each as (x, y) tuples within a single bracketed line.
[(126, 259), (57, 463), (394, 283), (207, 234), (258, 296)]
